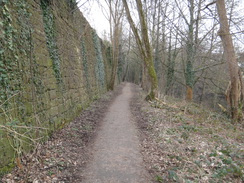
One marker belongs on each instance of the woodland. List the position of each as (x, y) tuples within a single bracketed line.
[(185, 59), (180, 49)]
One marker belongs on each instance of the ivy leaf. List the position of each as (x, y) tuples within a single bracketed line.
[(6, 8), (4, 76), (173, 175), (2, 70)]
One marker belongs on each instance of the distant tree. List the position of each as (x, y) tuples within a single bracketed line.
[(192, 43), (115, 20)]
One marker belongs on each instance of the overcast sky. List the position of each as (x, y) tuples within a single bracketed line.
[(96, 16), (93, 13)]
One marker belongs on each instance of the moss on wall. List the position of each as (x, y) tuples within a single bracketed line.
[(52, 66)]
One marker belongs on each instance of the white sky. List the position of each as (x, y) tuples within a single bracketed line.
[(95, 16)]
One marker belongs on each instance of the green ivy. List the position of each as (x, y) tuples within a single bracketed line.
[(120, 65), (28, 65), (49, 26), (8, 53), (72, 4), (109, 54), (11, 47), (15, 56), (85, 64), (17, 61), (99, 68)]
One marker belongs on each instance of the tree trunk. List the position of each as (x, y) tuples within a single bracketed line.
[(189, 93), (240, 75), (144, 46), (115, 15), (229, 53), (189, 74), (115, 54), (203, 90)]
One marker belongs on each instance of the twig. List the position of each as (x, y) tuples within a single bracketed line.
[(21, 135), (206, 7), (26, 127), (8, 99)]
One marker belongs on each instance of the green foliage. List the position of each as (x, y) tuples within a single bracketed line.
[(8, 56), (85, 63), (154, 80), (170, 74), (14, 49), (49, 26), (27, 62), (159, 178), (109, 54), (188, 128), (99, 68), (224, 164), (72, 4), (22, 75), (189, 74), (17, 66), (121, 65), (170, 70), (173, 175), (196, 141), (6, 169)]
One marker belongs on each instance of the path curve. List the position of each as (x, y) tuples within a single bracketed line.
[(116, 151)]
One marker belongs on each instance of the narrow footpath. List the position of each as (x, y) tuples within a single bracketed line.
[(116, 154)]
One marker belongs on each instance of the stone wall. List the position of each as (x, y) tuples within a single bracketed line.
[(52, 65)]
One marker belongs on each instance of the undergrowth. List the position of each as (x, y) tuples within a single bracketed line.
[(188, 143)]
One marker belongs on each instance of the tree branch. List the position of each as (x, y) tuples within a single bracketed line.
[(208, 66)]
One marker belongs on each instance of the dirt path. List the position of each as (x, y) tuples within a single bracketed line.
[(116, 153), (100, 146)]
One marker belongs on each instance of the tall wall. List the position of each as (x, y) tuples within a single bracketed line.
[(52, 65)]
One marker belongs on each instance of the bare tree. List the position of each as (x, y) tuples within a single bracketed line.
[(234, 93), (144, 46), (115, 20), (191, 46)]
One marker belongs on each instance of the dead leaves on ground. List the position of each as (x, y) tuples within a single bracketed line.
[(63, 157), (183, 142)]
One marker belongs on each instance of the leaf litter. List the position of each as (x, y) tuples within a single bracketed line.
[(180, 142), (186, 143), (64, 155)]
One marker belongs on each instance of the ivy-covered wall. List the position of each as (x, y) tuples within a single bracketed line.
[(52, 65)]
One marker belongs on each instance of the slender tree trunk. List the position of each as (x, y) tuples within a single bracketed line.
[(189, 74), (203, 90), (149, 56), (189, 93), (172, 54), (115, 55), (229, 52), (144, 47), (191, 47), (115, 15)]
